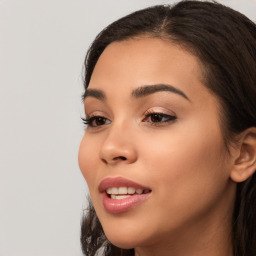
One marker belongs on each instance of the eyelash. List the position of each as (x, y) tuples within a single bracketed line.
[(90, 121), (168, 118)]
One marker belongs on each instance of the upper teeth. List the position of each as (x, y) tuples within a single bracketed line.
[(124, 191)]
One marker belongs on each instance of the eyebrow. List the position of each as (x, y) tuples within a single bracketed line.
[(150, 89), (95, 93), (140, 92)]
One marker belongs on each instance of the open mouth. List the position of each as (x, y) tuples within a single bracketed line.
[(125, 192), (120, 194)]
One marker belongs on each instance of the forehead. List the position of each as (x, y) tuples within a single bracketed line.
[(126, 65)]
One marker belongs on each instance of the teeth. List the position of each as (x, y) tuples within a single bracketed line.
[(109, 191), (139, 191), (122, 191), (131, 190), (119, 197), (125, 191), (114, 191)]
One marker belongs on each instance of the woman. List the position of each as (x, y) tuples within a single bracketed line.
[(169, 151)]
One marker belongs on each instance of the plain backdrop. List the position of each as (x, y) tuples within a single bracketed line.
[(42, 47)]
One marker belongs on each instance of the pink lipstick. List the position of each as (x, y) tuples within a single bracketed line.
[(120, 194)]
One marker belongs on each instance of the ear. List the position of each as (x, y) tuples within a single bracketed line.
[(245, 162)]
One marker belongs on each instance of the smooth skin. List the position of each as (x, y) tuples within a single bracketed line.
[(168, 140)]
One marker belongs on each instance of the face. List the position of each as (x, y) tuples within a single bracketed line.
[(153, 154)]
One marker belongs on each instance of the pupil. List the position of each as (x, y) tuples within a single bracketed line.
[(100, 121), (156, 118)]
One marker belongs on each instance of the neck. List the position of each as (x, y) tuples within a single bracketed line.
[(218, 243)]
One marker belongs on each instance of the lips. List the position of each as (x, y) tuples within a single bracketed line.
[(120, 195)]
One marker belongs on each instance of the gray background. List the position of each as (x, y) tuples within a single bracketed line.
[(42, 46)]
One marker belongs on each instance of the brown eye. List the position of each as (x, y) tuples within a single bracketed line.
[(158, 118), (96, 121)]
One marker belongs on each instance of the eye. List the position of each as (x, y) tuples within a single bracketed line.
[(158, 118), (95, 121)]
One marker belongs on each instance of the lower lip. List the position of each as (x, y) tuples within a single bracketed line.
[(122, 205)]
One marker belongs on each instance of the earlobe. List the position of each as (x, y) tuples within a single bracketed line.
[(245, 163)]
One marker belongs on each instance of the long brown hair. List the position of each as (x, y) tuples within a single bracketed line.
[(224, 40)]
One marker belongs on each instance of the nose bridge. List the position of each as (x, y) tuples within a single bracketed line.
[(118, 144)]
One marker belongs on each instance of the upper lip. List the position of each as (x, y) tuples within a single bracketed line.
[(111, 182)]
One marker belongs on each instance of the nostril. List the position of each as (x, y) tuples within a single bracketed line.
[(120, 157), (104, 161), (114, 160)]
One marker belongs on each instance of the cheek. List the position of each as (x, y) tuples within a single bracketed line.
[(187, 165), (87, 161)]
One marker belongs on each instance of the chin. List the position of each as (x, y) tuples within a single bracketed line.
[(126, 235), (128, 242)]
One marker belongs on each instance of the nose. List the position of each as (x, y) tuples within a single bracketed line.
[(118, 147)]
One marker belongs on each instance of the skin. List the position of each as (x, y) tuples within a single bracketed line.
[(184, 161)]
